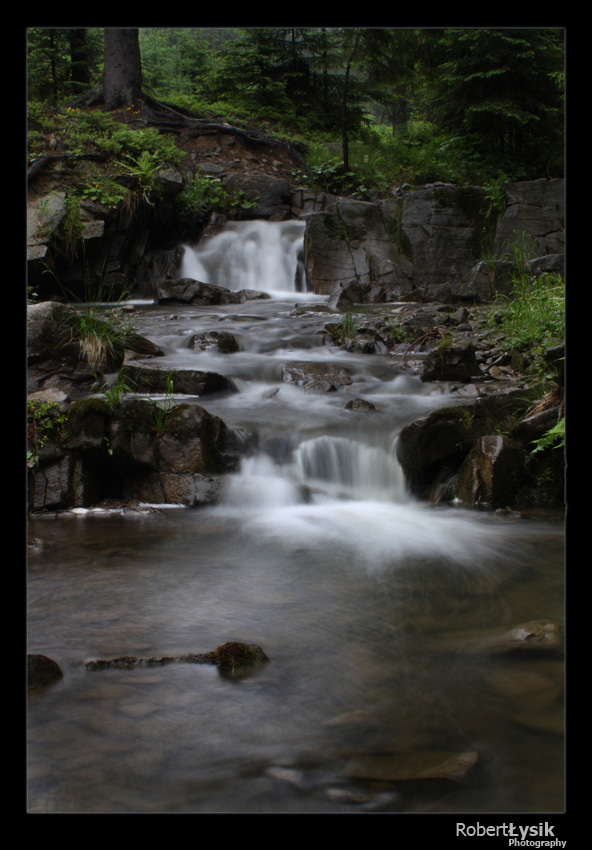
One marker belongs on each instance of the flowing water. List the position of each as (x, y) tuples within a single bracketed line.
[(373, 608)]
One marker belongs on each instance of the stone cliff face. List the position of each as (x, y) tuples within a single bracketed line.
[(415, 243), (426, 243)]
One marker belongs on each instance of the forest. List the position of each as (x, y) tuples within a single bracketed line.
[(366, 108)]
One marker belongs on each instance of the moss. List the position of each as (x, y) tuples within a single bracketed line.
[(90, 416)]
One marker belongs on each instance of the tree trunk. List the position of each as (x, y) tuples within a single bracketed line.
[(344, 130), (122, 75), (79, 73)]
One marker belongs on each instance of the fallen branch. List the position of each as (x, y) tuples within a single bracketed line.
[(38, 166)]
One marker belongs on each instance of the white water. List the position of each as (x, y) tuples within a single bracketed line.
[(261, 255), (365, 599)]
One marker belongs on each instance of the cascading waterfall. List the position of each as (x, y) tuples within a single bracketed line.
[(370, 604), (262, 255), (347, 466)]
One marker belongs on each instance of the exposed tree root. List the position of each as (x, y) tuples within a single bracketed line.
[(172, 119)]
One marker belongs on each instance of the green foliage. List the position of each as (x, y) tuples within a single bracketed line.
[(162, 411), (496, 195), (533, 315), (349, 326), (115, 391), (208, 193), (44, 419), (553, 438), (502, 90)]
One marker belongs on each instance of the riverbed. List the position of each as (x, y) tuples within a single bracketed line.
[(374, 609)]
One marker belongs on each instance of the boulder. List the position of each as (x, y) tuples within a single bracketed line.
[(221, 341), (431, 450), (41, 672), (493, 472), (56, 354), (197, 382), (271, 195), (317, 377), (135, 450), (190, 291), (451, 362), (359, 404)]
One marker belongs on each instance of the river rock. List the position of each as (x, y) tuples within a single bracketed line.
[(41, 672), (359, 404), (317, 377), (221, 341), (534, 636), (233, 656), (190, 291), (493, 472), (197, 382), (432, 449), (412, 766), (454, 362)]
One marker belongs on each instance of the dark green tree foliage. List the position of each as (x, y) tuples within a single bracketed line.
[(391, 60), (174, 61), (62, 63), (502, 90)]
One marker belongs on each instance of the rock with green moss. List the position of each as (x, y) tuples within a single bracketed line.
[(134, 450)]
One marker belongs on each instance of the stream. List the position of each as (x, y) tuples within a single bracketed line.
[(373, 608)]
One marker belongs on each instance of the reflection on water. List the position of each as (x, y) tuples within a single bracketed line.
[(373, 609)]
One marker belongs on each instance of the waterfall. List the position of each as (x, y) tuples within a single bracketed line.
[(262, 255), (335, 467), (361, 471)]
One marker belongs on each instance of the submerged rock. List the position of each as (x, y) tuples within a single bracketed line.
[(231, 656), (221, 341), (317, 377), (408, 767), (41, 672), (359, 404), (533, 636)]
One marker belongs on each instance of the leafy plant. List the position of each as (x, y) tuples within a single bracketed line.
[(145, 169), (114, 392), (553, 438), (496, 195), (44, 418), (205, 193)]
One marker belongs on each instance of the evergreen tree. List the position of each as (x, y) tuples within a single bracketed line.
[(501, 89)]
